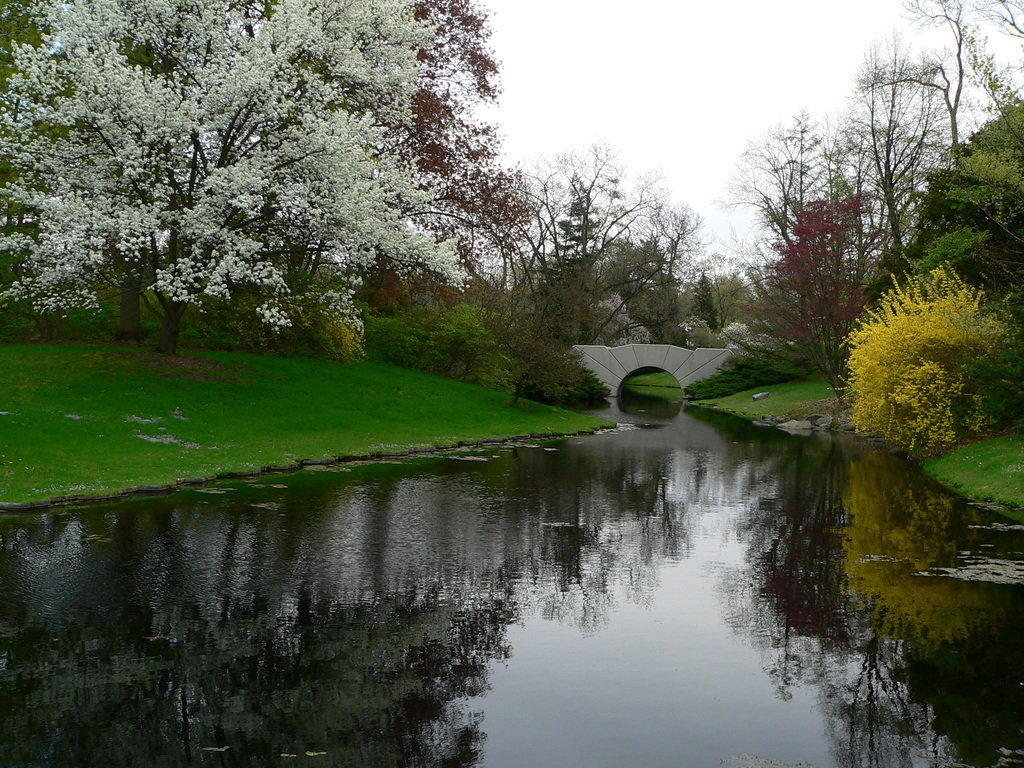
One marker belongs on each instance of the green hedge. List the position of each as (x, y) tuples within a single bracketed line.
[(744, 373)]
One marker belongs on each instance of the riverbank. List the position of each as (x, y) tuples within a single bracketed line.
[(792, 400), (989, 470), (80, 423)]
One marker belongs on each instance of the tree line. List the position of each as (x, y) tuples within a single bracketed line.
[(273, 176), (310, 176), (890, 239)]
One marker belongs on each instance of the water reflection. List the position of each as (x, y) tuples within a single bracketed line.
[(363, 617), (658, 402)]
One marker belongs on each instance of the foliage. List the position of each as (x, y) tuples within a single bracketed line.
[(588, 389), (744, 373), (813, 293), (597, 256), (973, 219), (448, 341), (910, 364), (314, 328), (541, 365), (262, 156), (456, 155), (220, 412), (704, 302), (1000, 377)]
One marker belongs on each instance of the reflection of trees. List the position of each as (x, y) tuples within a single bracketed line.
[(359, 613), (958, 640), (793, 601), (256, 655), (355, 618), (793, 525), (900, 528), (909, 669)]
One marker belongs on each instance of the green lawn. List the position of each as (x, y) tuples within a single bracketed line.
[(989, 470), (657, 384), (794, 398), (655, 379), (94, 419)]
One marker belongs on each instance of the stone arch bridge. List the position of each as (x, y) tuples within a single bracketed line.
[(613, 364)]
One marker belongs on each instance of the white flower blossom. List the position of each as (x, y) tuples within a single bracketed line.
[(214, 150)]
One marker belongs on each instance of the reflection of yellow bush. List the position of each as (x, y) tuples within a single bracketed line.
[(908, 366), (900, 526)]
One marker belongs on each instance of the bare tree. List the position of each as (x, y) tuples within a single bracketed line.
[(946, 71), (1008, 14), (593, 243), (895, 122), (778, 174)]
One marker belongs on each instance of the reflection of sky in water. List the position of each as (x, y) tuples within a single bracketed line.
[(676, 592), (689, 688)]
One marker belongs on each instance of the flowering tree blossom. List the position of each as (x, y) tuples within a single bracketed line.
[(201, 146)]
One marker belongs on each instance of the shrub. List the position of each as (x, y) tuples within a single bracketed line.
[(317, 328), (448, 341), (575, 386), (911, 359), (1001, 375), (744, 373)]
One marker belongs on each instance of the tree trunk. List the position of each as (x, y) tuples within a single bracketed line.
[(130, 319), (171, 327)]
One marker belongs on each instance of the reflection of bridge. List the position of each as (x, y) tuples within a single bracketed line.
[(613, 364)]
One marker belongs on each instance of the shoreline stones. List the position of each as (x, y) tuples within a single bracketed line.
[(794, 425)]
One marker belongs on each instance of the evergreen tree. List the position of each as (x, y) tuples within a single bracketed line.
[(704, 302)]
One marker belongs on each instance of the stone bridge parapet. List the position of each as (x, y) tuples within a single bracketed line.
[(613, 364)]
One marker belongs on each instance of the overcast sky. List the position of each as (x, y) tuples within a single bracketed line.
[(677, 87)]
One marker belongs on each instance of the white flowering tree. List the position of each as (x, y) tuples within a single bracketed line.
[(195, 147)]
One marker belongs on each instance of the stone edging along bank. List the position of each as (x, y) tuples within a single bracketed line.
[(141, 491)]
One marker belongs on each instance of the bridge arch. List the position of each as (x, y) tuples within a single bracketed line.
[(612, 365)]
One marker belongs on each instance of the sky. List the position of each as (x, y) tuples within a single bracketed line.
[(676, 87)]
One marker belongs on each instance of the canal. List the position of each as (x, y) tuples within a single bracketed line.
[(685, 590)]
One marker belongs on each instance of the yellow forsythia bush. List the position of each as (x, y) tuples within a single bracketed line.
[(910, 358)]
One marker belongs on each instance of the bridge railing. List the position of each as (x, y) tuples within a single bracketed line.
[(612, 365)]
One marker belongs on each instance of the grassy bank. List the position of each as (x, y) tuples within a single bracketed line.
[(989, 470), (795, 399), (91, 420), (658, 384)]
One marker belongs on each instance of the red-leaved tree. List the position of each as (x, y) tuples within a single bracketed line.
[(476, 201), (455, 153), (813, 293)]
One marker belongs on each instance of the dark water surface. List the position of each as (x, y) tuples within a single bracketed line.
[(685, 591)]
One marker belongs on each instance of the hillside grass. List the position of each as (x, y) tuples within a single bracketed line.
[(657, 384), (796, 399), (653, 379), (988, 470), (99, 419)]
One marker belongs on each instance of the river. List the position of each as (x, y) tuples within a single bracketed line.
[(685, 590)]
